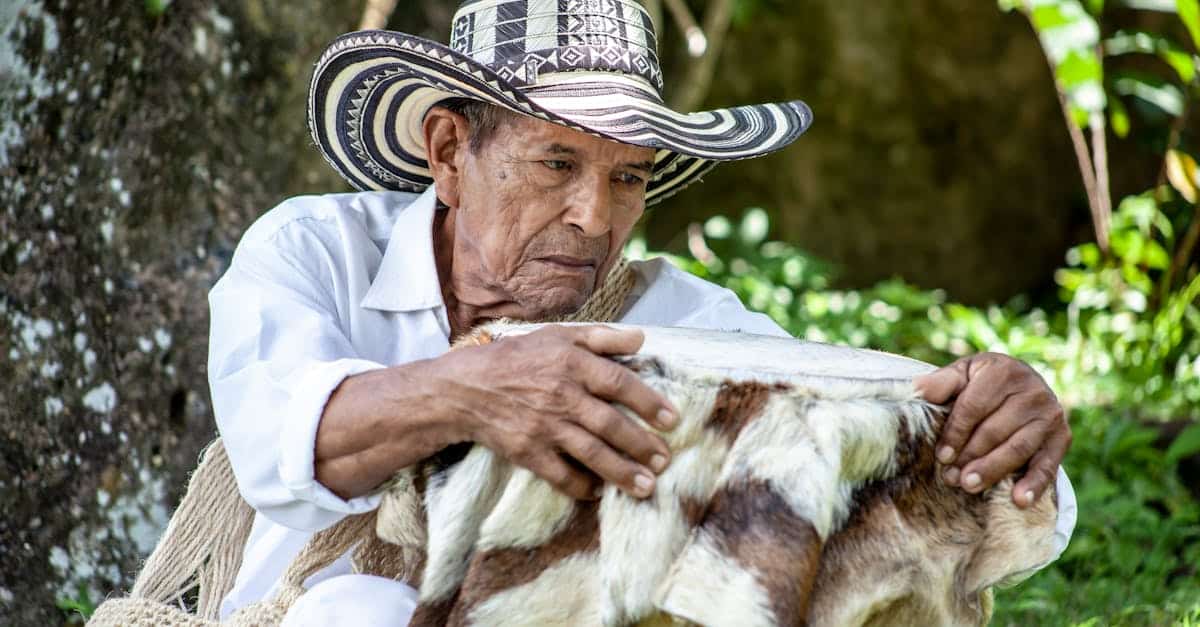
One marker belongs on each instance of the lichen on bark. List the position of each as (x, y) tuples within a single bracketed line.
[(134, 150)]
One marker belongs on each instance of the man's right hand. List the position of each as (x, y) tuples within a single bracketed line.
[(542, 401)]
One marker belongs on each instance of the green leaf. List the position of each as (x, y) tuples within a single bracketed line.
[(1143, 42), (1051, 15), (1078, 68), (1165, 6), (155, 8), (1189, 12), (1155, 257), (1118, 118), (1065, 27), (1185, 445), (1151, 89)]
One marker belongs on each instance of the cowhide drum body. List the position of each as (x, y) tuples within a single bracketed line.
[(802, 490)]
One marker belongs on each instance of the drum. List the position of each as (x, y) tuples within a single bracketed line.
[(803, 489)]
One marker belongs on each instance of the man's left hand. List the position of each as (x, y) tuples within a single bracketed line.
[(1004, 418)]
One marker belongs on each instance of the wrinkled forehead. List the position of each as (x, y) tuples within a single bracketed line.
[(531, 130)]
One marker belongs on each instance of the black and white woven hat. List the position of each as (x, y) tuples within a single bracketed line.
[(591, 65)]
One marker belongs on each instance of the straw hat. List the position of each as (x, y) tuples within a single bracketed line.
[(591, 65)]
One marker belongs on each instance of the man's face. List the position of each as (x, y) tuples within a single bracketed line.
[(545, 210)]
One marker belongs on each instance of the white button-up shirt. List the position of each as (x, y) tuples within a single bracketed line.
[(322, 288)]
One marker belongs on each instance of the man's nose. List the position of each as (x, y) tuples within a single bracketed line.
[(591, 207)]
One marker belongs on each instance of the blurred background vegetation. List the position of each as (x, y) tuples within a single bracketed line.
[(1017, 177)]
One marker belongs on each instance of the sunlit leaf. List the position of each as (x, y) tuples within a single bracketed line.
[(1079, 67), (754, 227), (1118, 118), (1189, 12), (1183, 174), (1065, 27), (1142, 42), (1166, 6), (1052, 15), (718, 227), (1151, 89), (155, 8), (1185, 444), (1155, 257), (1080, 73)]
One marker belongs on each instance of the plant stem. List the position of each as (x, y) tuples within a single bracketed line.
[(376, 14), (717, 20), (1183, 254), (1087, 170), (1102, 213)]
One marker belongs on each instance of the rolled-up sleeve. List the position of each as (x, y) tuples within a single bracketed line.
[(276, 353)]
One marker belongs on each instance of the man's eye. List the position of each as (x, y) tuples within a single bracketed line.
[(630, 179), (556, 165)]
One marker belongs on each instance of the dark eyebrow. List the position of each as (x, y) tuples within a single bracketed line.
[(560, 149)]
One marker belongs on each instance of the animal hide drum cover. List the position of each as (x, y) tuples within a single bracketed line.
[(802, 489)]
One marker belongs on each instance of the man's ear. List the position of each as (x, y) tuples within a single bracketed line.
[(446, 143)]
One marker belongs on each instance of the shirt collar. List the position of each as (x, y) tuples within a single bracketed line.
[(407, 279)]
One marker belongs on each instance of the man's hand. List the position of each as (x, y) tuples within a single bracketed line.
[(1004, 417), (542, 401)]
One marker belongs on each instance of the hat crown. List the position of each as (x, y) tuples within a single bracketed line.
[(522, 40)]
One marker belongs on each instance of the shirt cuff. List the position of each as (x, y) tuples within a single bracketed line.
[(1068, 513), (297, 456)]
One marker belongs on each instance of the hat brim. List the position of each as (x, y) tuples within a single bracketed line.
[(371, 89)]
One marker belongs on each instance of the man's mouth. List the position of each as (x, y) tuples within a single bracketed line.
[(566, 261)]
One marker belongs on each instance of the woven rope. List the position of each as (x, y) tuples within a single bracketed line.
[(200, 550), (202, 546)]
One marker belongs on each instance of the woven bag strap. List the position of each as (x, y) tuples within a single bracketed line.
[(202, 545)]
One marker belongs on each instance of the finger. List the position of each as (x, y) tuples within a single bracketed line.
[(1006, 459), (605, 340), (939, 386), (609, 465), (611, 381), (1043, 469), (621, 433), (974, 403), (1016, 412), (571, 481)]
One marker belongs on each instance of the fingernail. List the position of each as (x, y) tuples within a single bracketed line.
[(667, 418), (972, 481), (945, 455), (598, 492), (1029, 497), (951, 476), (644, 484), (658, 463)]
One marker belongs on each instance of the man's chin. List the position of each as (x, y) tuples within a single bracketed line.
[(554, 304)]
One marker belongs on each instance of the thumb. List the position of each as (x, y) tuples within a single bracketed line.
[(943, 384)]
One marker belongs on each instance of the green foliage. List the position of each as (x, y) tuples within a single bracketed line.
[(1134, 554), (1112, 356), (155, 8), (81, 605)]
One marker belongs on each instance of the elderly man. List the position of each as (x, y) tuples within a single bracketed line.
[(504, 176)]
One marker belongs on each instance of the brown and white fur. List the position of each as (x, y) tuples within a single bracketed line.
[(810, 501)]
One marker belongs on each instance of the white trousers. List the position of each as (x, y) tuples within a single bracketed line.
[(359, 600)]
